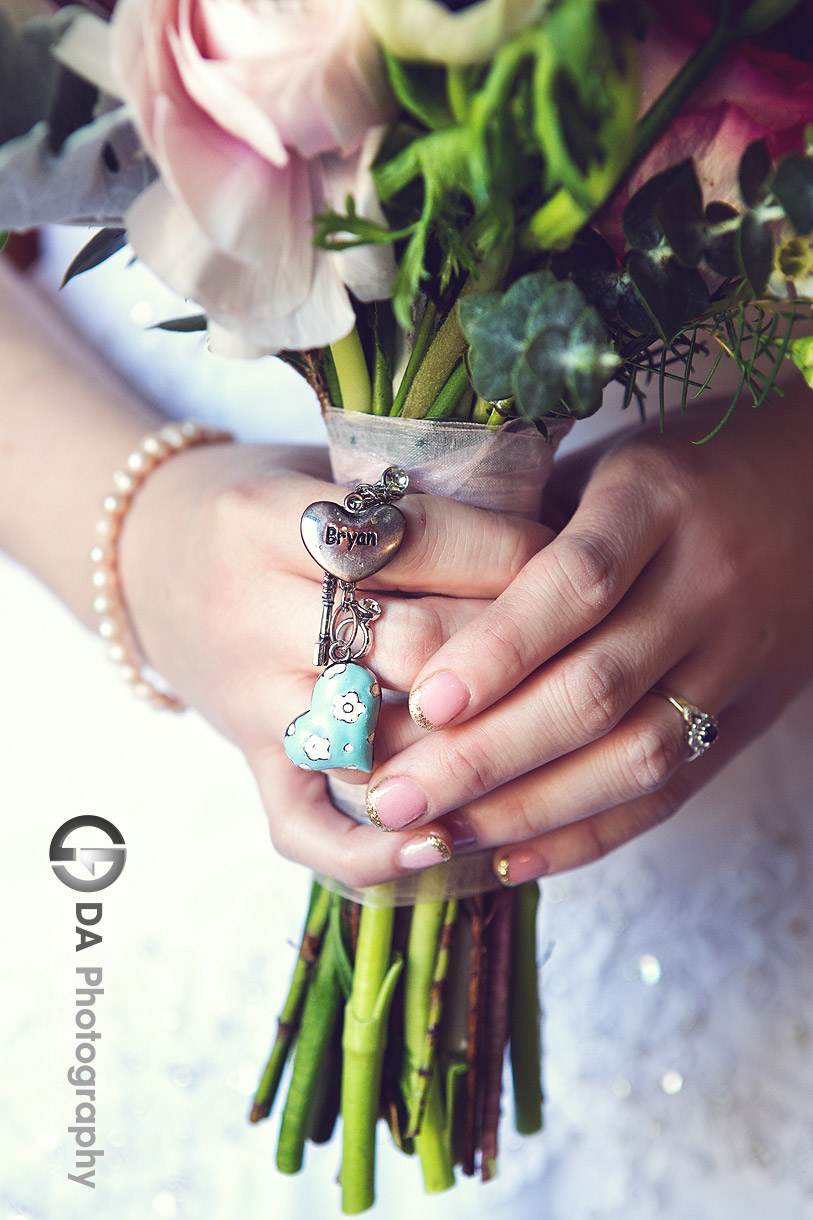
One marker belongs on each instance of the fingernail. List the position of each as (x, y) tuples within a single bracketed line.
[(462, 830), (395, 803), (521, 866), (438, 700), (424, 852)]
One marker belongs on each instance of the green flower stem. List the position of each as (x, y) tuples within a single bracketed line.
[(421, 1080), (426, 332), (365, 1029), (432, 1142), (526, 1051), (351, 370), (384, 333), (322, 1011), (464, 406), (331, 379), (444, 405), (497, 1008), (292, 1008), (457, 92), (481, 412), (449, 344), (436, 367)]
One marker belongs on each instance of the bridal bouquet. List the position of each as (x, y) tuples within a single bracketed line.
[(461, 213)]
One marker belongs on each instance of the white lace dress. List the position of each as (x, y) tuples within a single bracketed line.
[(678, 973)]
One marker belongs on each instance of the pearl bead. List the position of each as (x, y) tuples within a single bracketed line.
[(173, 436), (138, 462), (154, 446), (106, 527), (123, 481), (114, 504), (114, 624)]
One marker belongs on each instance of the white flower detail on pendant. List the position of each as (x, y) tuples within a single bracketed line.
[(316, 748), (348, 707)]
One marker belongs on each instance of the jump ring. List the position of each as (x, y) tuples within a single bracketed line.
[(700, 728)]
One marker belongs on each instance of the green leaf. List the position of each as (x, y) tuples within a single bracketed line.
[(3, 238), (792, 186), (800, 351), (474, 308), (100, 247), (421, 90), (537, 374), (672, 294), (720, 248), (642, 228), (755, 252), (680, 215), (184, 326), (755, 166), (541, 344)]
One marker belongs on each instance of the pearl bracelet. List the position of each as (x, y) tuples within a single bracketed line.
[(108, 598)]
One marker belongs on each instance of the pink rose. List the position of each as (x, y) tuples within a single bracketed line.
[(752, 94), (258, 115)]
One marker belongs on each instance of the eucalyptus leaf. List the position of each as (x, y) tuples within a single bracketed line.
[(542, 344)]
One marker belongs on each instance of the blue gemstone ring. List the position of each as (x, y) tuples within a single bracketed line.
[(700, 729)]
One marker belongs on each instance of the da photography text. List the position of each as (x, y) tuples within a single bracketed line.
[(75, 866)]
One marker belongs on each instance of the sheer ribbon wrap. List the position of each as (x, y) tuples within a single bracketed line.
[(502, 469)]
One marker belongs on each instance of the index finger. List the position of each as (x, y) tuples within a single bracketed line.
[(448, 547), (562, 592)]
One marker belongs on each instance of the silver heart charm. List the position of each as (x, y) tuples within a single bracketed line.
[(352, 546)]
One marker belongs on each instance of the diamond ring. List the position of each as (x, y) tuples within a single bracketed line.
[(700, 731)]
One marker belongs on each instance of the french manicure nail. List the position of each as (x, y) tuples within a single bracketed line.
[(521, 866), (438, 700), (462, 829), (424, 852), (396, 802)]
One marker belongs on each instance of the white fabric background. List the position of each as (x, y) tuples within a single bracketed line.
[(677, 989)]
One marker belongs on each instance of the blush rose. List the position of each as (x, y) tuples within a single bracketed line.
[(257, 116)]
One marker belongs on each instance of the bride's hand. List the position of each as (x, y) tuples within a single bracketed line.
[(680, 565), (226, 603)]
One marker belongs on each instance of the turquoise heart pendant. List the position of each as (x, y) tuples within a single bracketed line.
[(339, 728)]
